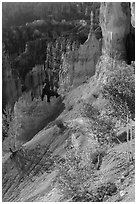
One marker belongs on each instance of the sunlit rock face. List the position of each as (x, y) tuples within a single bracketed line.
[(115, 24), (79, 65), (132, 6)]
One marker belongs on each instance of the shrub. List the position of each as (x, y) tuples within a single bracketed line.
[(102, 125), (75, 176), (103, 128), (120, 90), (90, 111), (60, 124), (107, 189)]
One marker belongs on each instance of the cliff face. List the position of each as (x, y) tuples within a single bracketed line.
[(74, 64), (80, 65), (117, 41), (115, 24), (132, 5)]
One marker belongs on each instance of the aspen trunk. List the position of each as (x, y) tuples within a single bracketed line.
[(128, 145), (131, 138)]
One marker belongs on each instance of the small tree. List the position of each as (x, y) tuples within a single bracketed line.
[(120, 90), (74, 176), (102, 125), (103, 128)]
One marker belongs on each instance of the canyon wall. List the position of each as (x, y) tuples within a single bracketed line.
[(76, 64), (115, 24), (116, 41)]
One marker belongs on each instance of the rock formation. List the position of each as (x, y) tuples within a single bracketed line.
[(132, 5), (115, 24), (79, 65), (11, 86), (72, 63)]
